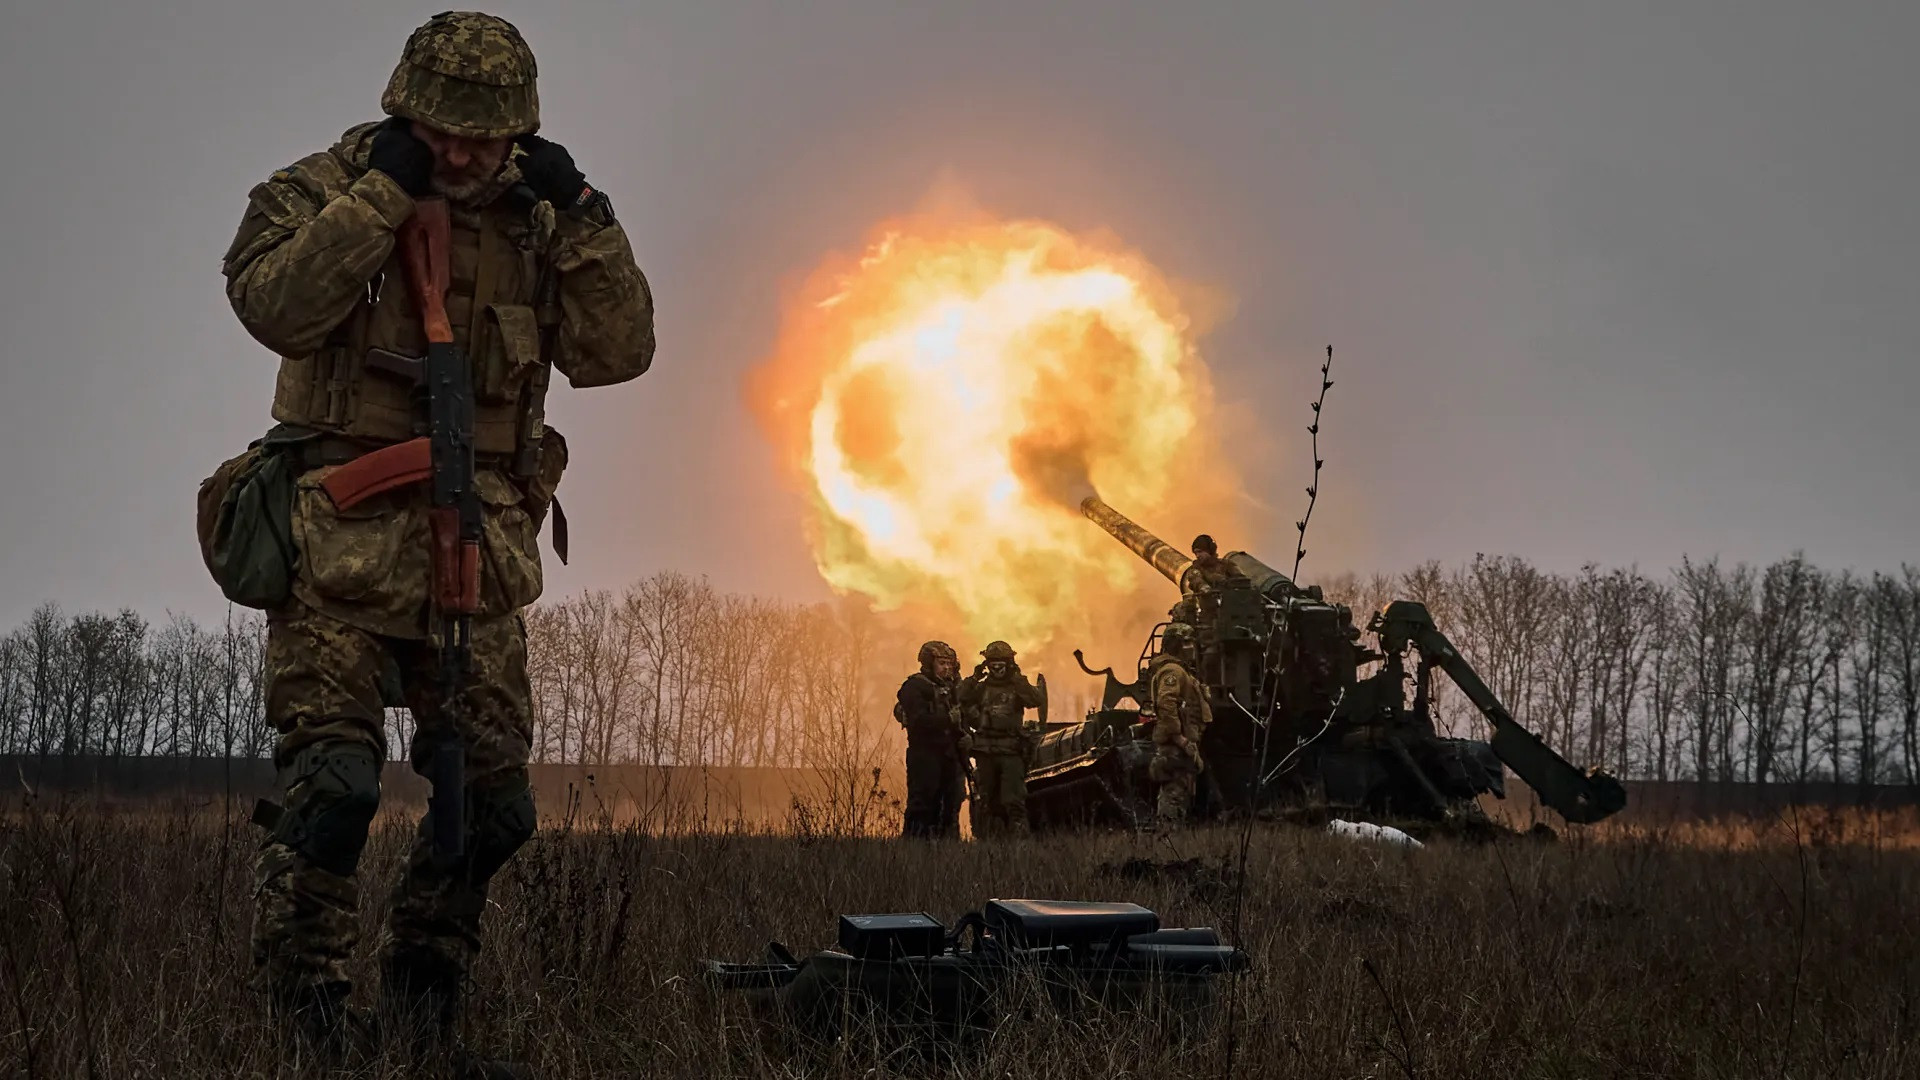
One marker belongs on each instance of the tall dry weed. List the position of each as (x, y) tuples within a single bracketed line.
[(1743, 950)]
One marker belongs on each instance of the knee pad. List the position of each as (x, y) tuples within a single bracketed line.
[(332, 790), (502, 818)]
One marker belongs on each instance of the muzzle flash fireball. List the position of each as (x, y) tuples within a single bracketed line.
[(946, 399)]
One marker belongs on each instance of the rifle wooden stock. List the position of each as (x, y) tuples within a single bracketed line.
[(424, 240)]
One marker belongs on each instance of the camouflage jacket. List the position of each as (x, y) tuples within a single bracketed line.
[(1199, 578), (1179, 704), (313, 274)]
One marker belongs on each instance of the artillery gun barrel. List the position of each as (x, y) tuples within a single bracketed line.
[(1167, 559), (1156, 552), (1269, 582)]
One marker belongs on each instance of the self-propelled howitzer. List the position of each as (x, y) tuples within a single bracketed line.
[(1295, 722)]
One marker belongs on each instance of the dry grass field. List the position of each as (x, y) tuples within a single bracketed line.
[(1784, 947)]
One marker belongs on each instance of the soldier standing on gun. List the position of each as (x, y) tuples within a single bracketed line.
[(1181, 715), (936, 770), (541, 277), (1209, 571), (993, 704)]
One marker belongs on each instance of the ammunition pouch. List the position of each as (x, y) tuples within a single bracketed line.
[(505, 354), (509, 541), (332, 791), (244, 521)]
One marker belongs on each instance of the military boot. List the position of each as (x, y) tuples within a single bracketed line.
[(419, 998), (420, 1008), (319, 1024)]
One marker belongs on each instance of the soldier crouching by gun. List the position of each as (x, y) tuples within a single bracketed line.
[(1181, 716), (992, 706), (936, 762), (419, 280)]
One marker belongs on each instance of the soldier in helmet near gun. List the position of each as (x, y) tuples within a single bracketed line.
[(420, 280), (937, 769), (1209, 571), (992, 706), (1180, 719)]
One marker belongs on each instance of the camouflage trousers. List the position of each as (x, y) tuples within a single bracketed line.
[(327, 687), (936, 786), (1000, 794), (1178, 776)]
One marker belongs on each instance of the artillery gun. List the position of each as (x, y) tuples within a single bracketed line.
[(1295, 722)]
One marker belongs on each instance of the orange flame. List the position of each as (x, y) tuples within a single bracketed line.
[(947, 398)]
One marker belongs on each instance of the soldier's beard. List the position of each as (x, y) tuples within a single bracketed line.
[(462, 187)]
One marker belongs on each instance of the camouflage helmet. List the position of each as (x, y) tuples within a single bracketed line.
[(468, 74), (1177, 636), (1203, 542), (997, 650), (936, 650)]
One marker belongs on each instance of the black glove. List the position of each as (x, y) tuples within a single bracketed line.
[(404, 158), (549, 170)]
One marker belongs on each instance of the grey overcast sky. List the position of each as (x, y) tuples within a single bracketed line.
[(1609, 282)]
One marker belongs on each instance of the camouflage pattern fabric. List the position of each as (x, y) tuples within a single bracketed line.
[(329, 681), (368, 566), (1178, 776), (467, 74), (314, 264), (1208, 575), (1000, 794), (992, 710), (1180, 709)]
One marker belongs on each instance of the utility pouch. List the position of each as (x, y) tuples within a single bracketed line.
[(508, 349), (244, 523)]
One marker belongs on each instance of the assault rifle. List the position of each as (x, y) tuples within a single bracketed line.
[(454, 516), (444, 457)]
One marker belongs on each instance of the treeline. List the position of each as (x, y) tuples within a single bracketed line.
[(119, 686), (669, 671), (1778, 673), (1783, 673)]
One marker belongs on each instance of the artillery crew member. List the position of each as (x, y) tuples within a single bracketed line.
[(541, 277), (936, 766), (1209, 571), (993, 704), (1181, 715)]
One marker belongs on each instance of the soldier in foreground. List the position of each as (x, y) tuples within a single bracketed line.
[(993, 704), (1181, 715), (1208, 571), (542, 278), (936, 765)]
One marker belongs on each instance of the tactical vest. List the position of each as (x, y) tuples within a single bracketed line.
[(502, 300), (1000, 709)]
